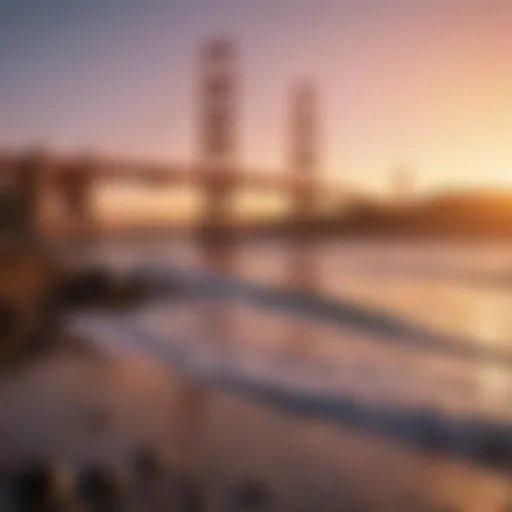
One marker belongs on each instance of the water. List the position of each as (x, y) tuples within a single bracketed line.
[(461, 292), (332, 392)]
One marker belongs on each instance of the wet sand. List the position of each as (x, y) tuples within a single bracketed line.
[(78, 408)]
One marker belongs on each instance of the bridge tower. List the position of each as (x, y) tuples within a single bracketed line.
[(217, 104), (74, 184), (303, 166), (303, 157), (30, 178), (402, 185), (217, 140)]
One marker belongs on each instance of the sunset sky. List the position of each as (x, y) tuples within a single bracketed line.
[(426, 83)]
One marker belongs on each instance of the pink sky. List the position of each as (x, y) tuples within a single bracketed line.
[(425, 83)]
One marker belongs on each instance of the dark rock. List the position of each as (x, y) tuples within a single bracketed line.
[(86, 287), (496, 449), (35, 489), (250, 495), (101, 287), (98, 488)]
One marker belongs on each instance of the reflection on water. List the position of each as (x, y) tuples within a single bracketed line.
[(434, 286), (448, 287), (493, 386), (352, 371)]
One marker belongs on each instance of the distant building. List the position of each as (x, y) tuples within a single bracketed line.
[(402, 185)]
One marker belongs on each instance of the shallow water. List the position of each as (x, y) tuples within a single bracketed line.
[(461, 292), (318, 406)]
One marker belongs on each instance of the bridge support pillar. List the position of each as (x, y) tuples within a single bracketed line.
[(217, 104), (303, 156), (217, 147), (30, 179), (75, 189), (303, 165)]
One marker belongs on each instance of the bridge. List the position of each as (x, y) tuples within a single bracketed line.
[(216, 173), (58, 169)]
